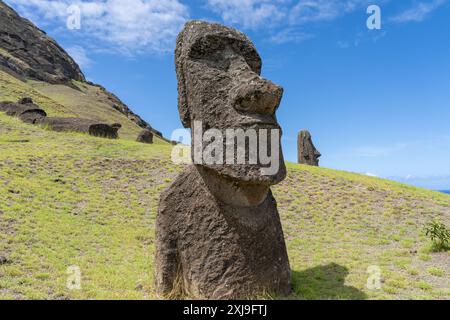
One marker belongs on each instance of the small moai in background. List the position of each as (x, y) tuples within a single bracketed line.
[(307, 152), (146, 136)]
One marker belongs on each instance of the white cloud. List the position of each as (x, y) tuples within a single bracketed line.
[(316, 10), (343, 44), (290, 35), (249, 14), (259, 13), (371, 175), (127, 26), (80, 56), (419, 12), (282, 19)]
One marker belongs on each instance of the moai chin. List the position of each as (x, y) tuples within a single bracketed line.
[(307, 152), (218, 231)]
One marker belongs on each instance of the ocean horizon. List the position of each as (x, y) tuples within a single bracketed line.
[(445, 191)]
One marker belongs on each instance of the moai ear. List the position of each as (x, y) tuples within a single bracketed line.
[(183, 107)]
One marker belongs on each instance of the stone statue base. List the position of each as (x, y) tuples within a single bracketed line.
[(207, 249)]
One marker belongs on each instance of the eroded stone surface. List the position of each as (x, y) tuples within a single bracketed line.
[(219, 234), (307, 152), (24, 109), (145, 136), (29, 52)]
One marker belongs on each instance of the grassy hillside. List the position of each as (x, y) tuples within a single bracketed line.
[(70, 199), (84, 100)]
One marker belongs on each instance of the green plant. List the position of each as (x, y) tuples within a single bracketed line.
[(439, 235)]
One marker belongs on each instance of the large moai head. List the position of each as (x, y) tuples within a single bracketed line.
[(307, 152), (219, 85)]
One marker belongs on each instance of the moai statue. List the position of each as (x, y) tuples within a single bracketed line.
[(307, 152), (218, 231), (145, 136)]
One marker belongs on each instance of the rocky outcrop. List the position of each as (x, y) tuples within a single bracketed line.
[(307, 152), (218, 231), (4, 105), (118, 105), (29, 52)]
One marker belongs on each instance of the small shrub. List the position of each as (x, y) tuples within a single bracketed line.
[(439, 235)]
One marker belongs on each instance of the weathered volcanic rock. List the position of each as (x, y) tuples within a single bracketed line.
[(91, 127), (118, 105), (218, 231), (307, 152), (116, 127), (25, 109), (146, 136), (29, 52), (4, 105), (26, 100), (209, 249)]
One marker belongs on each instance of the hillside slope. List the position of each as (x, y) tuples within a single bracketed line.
[(86, 101), (26, 53), (74, 200), (29, 52)]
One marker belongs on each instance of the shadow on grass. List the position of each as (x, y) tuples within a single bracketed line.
[(325, 283)]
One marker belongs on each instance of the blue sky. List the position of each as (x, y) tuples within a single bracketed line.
[(375, 101)]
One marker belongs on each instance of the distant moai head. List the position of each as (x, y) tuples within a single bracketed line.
[(307, 152), (25, 100), (219, 83), (145, 136), (116, 126)]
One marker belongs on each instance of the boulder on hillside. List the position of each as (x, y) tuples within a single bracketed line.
[(32, 115), (4, 105), (91, 127), (25, 100), (146, 136), (116, 127), (25, 110)]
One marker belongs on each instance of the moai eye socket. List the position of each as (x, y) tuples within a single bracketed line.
[(207, 47), (218, 51)]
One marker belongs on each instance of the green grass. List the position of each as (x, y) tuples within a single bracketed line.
[(75, 200)]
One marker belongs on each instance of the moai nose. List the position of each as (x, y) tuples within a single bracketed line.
[(258, 96), (252, 93)]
